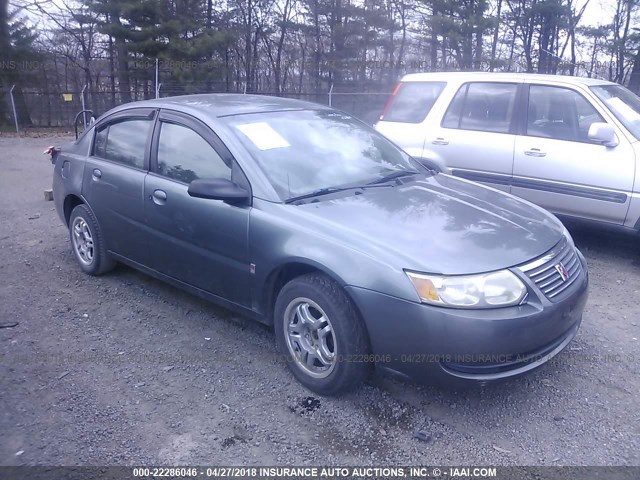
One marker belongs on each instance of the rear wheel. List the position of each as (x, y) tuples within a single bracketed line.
[(87, 242), (321, 335)]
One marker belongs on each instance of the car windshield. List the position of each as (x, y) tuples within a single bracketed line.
[(624, 104), (304, 151)]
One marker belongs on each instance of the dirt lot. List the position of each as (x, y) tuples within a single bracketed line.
[(123, 369)]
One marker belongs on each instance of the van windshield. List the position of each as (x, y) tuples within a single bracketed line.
[(624, 104)]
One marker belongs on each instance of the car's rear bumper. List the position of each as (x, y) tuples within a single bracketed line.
[(59, 193), (455, 346)]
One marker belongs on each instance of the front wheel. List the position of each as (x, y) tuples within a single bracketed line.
[(321, 335), (87, 242)]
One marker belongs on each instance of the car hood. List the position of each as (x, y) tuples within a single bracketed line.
[(437, 224)]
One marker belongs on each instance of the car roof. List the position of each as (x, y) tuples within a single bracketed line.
[(502, 76), (223, 104)]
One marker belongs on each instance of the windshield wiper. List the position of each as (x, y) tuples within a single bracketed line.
[(328, 190), (317, 193), (394, 175)]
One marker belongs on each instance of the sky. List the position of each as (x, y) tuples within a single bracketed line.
[(598, 12)]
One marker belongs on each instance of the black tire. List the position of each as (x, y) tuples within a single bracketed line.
[(99, 261), (351, 344)]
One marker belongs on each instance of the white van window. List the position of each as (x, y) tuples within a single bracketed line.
[(483, 106), (560, 113), (412, 102)]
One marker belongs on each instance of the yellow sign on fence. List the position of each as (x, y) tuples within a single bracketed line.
[(68, 97)]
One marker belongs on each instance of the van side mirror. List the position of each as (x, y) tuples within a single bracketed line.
[(603, 133), (218, 189)]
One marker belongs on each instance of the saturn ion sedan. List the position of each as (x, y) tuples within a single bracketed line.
[(304, 218)]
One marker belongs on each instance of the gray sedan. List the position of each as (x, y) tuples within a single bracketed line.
[(304, 218)]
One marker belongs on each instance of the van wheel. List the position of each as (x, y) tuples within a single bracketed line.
[(87, 242), (321, 335)]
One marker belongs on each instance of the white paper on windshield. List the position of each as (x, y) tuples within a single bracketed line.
[(263, 136), (623, 109)]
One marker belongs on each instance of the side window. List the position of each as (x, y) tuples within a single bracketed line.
[(123, 142), (185, 156), (100, 143), (454, 113), (486, 107), (413, 102), (560, 113)]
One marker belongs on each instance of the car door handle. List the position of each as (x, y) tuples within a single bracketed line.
[(159, 197), (440, 141), (534, 152), (97, 174)]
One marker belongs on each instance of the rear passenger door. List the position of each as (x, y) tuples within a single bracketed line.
[(556, 165), (476, 136), (113, 182)]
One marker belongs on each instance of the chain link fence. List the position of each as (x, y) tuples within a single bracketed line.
[(59, 109)]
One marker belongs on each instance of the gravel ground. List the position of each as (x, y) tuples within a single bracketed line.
[(123, 369)]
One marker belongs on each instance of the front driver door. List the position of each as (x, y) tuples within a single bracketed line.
[(197, 241), (556, 165)]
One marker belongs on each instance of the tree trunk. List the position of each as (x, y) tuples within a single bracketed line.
[(634, 78), (400, 58), (434, 39), (593, 56), (623, 46), (494, 41), (5, 51), (247, 48), (112, 75), (318, 44), (124, 84)]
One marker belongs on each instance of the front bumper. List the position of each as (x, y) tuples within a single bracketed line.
[(439, 345)]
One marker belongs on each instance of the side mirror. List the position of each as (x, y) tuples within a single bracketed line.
[(218, 189), (603, 133)]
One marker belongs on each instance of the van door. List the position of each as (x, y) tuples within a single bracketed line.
[(476, 136), (556, 165)]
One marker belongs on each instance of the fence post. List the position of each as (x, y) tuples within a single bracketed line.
[(13, 106), (330, 92), (84, 114), (157, 84)]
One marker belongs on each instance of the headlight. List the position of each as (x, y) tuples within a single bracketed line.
[(488, 290)]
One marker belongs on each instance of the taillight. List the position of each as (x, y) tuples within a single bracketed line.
[(390, 100), (53, 151)]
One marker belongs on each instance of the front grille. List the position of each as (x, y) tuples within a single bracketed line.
[(544, 271)]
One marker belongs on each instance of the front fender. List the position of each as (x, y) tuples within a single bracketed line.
[(275, 241)]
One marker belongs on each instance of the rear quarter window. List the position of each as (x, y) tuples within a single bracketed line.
[(412, 102)]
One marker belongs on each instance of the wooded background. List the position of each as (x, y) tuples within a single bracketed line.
[(301, 48)]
